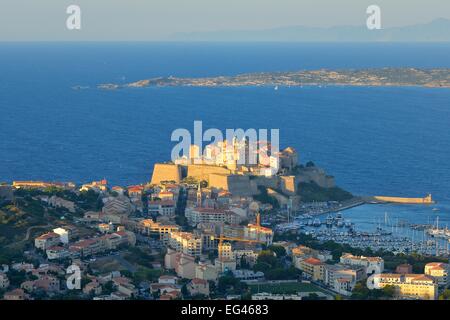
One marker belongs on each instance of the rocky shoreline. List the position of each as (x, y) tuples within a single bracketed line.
[(388, 77)]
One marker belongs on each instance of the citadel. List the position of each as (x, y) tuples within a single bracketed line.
[(227, 166)]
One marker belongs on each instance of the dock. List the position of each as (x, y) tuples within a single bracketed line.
[(383, 199)]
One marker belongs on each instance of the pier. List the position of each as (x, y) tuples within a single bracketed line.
[(382, 199)]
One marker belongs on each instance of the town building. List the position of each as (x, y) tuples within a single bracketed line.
[(94, 287), (135, 191), (405, 268), (166, 195), (151, 228), (57, 253), (247, 255), (198, 287), (15, 295), (42, 185), (97, 186), (63, 233), (372, 264), (343, 278), (105, 227), (301, 253), (49, 284), (47, 240), (161, 208), (186, 242), (211, 215), (409, 286), (119, 190), (116, 206), (168, 279), (313, 269), (206, 271), (58, 202), (439, 271), (124, 286)]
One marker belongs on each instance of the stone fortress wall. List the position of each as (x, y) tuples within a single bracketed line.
[(239, 184), (242, 184), (166, 172)]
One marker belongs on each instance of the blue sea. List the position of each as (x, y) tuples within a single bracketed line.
[(375, 141)]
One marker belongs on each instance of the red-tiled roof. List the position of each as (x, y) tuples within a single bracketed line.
[(313, 261), (199, 281), (48, 236)]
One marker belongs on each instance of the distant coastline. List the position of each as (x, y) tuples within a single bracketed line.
[(381, 77)]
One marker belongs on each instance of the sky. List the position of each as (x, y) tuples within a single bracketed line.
[(154, 20)]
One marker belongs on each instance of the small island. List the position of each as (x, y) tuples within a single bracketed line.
[(382, 77)]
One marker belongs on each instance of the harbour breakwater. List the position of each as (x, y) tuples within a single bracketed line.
[(382, 199)]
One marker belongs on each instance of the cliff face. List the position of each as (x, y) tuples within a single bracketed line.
[(317, 175)]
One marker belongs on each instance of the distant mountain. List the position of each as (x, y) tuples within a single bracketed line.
[(435, 31)]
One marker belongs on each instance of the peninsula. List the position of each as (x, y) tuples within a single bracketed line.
[(387, 77)]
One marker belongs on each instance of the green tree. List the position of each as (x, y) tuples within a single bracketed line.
[(310, 164), (445, 295), (279, 250)]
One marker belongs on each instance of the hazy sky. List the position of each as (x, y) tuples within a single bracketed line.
[(157, 19)]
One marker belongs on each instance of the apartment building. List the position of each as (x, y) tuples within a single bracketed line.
[(343, 278), (372, 264), (151, 228), (439, 271), (47, 240), (313, 268), (211, 215), (186, 242), (161, 208), (409, 286)]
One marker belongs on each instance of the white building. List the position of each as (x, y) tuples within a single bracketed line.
[(57, 253), (343, 278), (211, 215), (372, 264), (63, 234), (161, 208), (186, 242), (47, 240), (439, 271)]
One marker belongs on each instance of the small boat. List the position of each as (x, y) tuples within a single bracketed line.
[(339, 220), (316, 223), (276, 88), (329, 221)]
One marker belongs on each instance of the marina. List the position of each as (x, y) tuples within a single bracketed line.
[(391, 227)]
